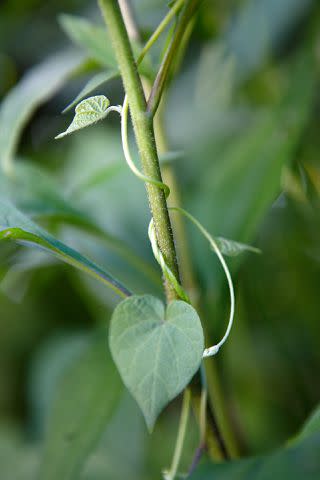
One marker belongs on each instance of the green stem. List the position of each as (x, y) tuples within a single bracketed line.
[(144, 134), (214, 437), (161, 27), (171, 474), (162, 76)]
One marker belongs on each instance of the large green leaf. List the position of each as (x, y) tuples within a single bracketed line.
[(87, 396), (38, 195), (245, 179), (239, 186), (35, 87), (294, 463), (300, 460), (157, 351), (16, 226)]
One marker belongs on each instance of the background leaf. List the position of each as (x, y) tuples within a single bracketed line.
[(91, 37), (298, 462), (84, 402), (94, 39), (15, 226), (96, 81)]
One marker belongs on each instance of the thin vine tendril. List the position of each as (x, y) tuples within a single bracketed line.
[(164, 267), (215, 348)]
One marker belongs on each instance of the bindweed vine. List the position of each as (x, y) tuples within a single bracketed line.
[(143, 325), (213, 350)]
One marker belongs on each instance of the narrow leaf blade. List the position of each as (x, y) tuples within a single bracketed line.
[(96, 81), (16, 226)]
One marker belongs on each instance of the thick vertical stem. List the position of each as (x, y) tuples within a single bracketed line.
[(144, 134)]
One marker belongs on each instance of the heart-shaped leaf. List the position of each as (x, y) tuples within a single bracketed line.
[(88, 112), (156, 350)]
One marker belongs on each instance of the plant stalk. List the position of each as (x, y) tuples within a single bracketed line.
[(162, 76), (143, 128), (144, 134)]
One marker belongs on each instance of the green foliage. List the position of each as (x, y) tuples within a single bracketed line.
[(96, 81), (91, 37), (17, 227), (156, 350), (242, 112), (95, 40), (88, 112), (85, 399), (298, 462)]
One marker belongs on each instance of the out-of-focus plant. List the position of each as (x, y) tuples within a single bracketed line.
[(161, 347)]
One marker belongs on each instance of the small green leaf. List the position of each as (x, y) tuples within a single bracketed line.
[(232, 248), (156, 350), (94, 82), (86, 398), (16, 226), (88, 112)]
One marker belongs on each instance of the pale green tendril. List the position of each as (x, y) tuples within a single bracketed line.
[(151, 230), (215, 348), (208, 352), (127, 154), (164, 267)]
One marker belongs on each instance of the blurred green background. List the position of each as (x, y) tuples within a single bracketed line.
[(244, 111)]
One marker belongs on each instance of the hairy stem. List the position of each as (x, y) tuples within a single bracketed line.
[(144, 134)]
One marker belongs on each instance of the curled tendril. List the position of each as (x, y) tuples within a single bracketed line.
[(127, 154), (153, 240), (164, 267)]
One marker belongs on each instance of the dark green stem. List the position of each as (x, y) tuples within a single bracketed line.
[(144, 134), (163, 73)]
